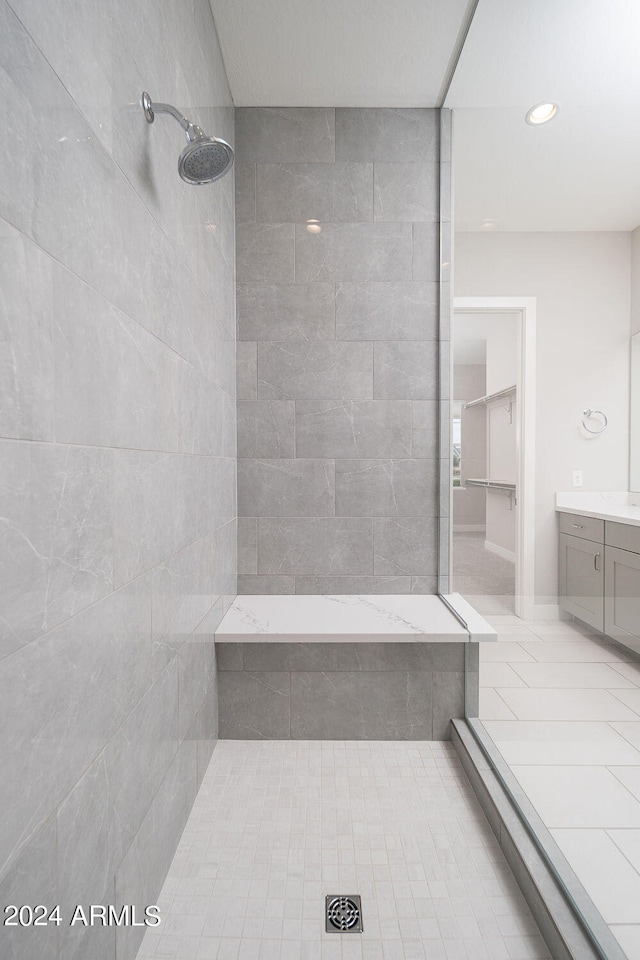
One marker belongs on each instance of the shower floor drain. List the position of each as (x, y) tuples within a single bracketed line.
[(343, 914)]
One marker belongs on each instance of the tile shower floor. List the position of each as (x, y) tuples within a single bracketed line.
[(563, 707), (277, 825)]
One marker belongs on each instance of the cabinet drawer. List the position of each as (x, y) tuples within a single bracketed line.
[(588, 528), (622, 535)]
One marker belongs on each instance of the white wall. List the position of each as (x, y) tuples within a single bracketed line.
[(635, 281), (582, 284)]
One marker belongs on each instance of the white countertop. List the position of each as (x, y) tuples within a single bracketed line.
[(349, 619), (621, 507)]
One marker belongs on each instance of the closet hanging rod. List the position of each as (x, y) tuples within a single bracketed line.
[(508, 391)]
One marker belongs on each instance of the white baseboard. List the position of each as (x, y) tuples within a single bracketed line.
[(469, 527), (500, 551)]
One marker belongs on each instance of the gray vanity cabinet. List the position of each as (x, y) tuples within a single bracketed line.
[(622, 584), (581, 568)]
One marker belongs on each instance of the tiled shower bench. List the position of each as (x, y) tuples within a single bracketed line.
[(347, 667)]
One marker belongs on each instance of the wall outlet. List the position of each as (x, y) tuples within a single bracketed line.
[(577, 478)]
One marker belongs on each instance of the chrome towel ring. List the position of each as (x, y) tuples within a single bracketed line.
[(594, 413)]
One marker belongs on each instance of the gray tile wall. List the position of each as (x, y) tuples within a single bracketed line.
[(337, 354), (117, 454), (340, 691)]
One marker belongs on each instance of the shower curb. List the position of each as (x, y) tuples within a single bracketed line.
[(568, 920)]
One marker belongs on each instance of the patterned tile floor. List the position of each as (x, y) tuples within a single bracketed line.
[(563, 707), (277, 825)]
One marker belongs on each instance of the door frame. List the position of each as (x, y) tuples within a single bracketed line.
[(525, 308)]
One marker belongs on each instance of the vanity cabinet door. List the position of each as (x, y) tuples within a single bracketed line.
[(622, 597), (581, 579)]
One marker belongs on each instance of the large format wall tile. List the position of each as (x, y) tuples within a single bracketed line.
[(53, 724), (334, 192), (258, 584), (315, 546), (140, 876), (57, 505), (153, 519), (118, 321), (254, 706), (338, 362), (406, 191), (32, 879), (386, 311), (426, 259), (265, 252), (266, 428), (353, 428), (386, 488), (404, 369), (315, 371), (285, 135), (405, 546), (409, 135), (26, 358), (351, 585), (361, 706), (354, 251), (286, 488), (286, 311)]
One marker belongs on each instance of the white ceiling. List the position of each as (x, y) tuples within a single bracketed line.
[(579, 172), (339, 53)]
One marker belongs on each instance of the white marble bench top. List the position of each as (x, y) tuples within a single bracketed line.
[(350, 618)]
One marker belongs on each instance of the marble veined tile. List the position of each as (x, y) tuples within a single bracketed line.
[(350, 429), (84, 678), (385, 488), (405, 135), (26, 358), (286, 488), (398, 617), (285, 311), (296, 192), (406, 191), (354, 251), (315, 371), (32, 879), (285, 134), (386, 311), (155, 509), (266, 428), (56, 505), (265, 251)]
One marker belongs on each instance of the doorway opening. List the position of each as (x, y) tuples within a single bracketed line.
[(492, 430)]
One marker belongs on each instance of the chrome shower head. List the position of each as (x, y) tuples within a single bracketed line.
[(204, 159)]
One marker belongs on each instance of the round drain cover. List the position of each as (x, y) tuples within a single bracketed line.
[(343, 913)]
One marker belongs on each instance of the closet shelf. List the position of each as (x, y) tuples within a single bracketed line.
[(491, 484), (507, 392)]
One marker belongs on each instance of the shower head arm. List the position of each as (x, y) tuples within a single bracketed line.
[(151, 108)]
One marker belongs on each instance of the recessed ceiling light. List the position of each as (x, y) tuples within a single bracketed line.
[(313, 226), (541, 113)]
